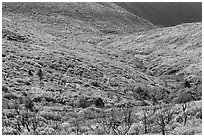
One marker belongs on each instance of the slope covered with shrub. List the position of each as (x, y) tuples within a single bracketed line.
[(91, 15), (64, 72), (173, 53)]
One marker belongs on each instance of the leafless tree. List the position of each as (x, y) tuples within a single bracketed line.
[(184, 98), (164, 117)]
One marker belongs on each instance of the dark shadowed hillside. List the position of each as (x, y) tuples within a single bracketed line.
[(165, 13)]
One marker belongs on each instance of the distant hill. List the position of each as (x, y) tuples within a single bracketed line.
[(165, 13), (93, 16)]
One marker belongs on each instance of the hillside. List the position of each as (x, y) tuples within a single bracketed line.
[(69, 67), (165, 13), (172, 53), (91, 16)]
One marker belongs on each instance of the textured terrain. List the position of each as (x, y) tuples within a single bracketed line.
[(95, 60)]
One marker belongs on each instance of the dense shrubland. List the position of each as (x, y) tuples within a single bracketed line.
[(30, 114), (75, 78)]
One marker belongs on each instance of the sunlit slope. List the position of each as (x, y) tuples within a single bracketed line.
[(173, 51), (89, 14)]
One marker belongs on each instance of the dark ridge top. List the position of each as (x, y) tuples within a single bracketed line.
[(165, 13)]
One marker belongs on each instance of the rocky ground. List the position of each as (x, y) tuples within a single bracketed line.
[(82, 68)]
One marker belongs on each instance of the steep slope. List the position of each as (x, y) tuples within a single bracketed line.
[(165, 13)]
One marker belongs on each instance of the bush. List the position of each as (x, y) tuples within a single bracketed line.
[(109, 31), (9, 131), (10, 96), (9, 113), (157, 94), (83, 102), (140, 93), (134, 129), (98, 102), (29, 104), (186, 84), (5, 88), (48, 131), (199, 115), (51, 116), (183, 97), (95, 84), (26, 120), (179, 119), (189, 132)]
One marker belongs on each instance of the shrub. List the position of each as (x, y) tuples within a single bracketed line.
[(21, 80), (109, 31), (26, 116), (199, 115), (29, 104), (10, 96), (98, 102), (139, 93), (48, 131), (83, 102), (51, 116), (95, 83), (5, 88), (40, 74), (134, 129), (13, 36), (179, 119), (9, 113), (9, 131), (186, 84), (189, 132), (157, 94), (183, 97)]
